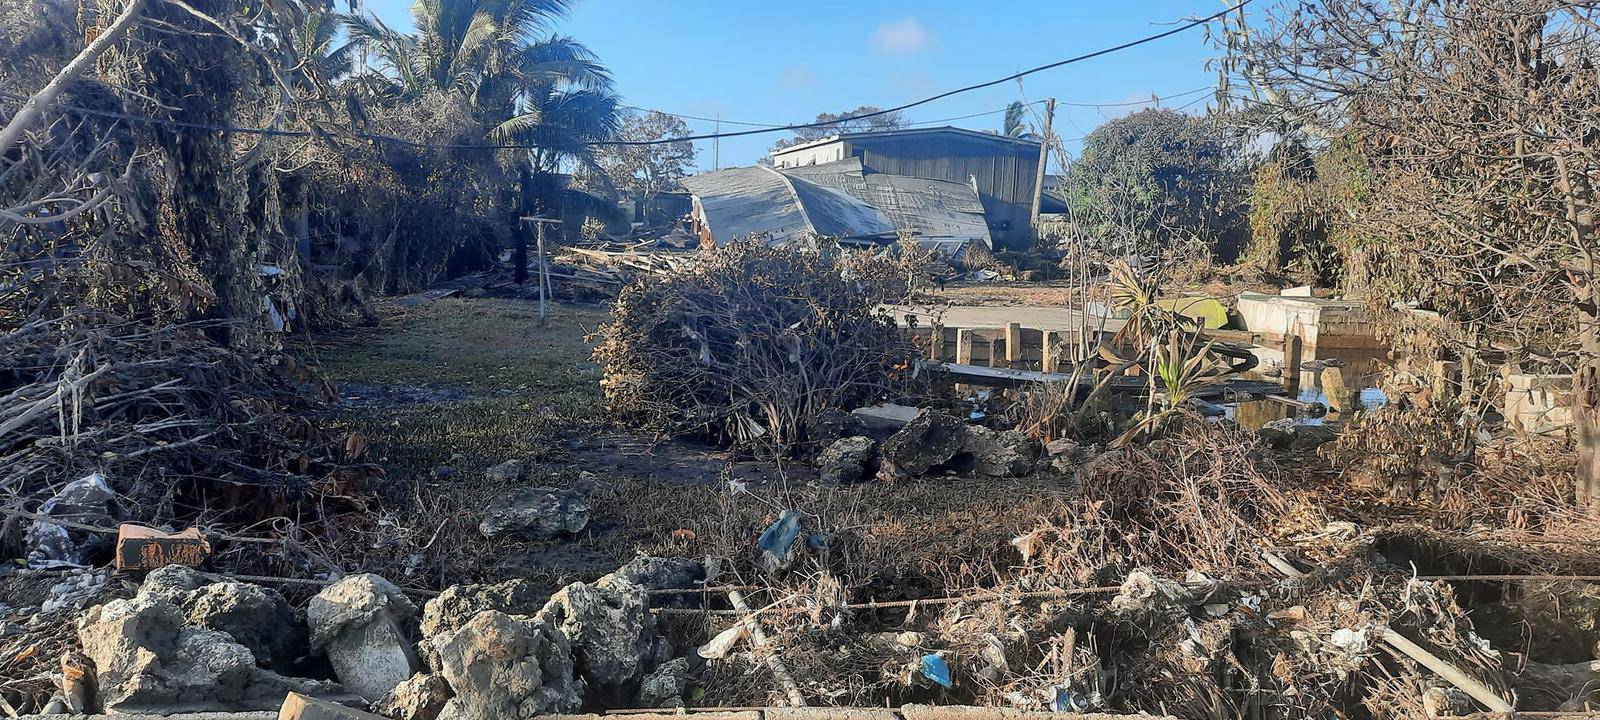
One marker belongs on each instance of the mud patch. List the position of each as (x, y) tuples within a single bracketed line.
[(677, 462)]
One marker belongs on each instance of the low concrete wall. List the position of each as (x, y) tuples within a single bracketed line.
[(1538, 403), (1320, 323)]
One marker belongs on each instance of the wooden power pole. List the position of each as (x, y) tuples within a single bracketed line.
[(1044, 157), (544, 268)]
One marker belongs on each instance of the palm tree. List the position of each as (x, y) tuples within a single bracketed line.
[(528, 85)]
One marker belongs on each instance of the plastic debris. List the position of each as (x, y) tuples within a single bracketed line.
[(936, 669)]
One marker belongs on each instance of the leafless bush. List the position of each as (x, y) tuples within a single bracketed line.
[(753, 344), (1201, 497)]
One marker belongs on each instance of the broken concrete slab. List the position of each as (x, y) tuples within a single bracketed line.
[(663, 573), (664, 686), (928, 441), (357, 621), (509, 471), (612, 633), (846, 460), (458, 604), (256, 617), (303, 707), (503, 667), (147, 659), (1001, 453), (535, 513), (886, 418)]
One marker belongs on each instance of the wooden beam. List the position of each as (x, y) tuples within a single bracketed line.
[(1013, 338), (964, 346)]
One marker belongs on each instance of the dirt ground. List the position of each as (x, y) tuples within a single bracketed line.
[(443, 390), (436, 416)]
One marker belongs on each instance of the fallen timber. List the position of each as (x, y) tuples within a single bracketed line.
[(1231, 389)]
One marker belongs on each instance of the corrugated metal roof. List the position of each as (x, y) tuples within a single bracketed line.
[(948, 130), (929, 208), (835, 200), (741, 202)]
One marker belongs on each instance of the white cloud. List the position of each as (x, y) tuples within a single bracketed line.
[(901, 37), (796, 76)]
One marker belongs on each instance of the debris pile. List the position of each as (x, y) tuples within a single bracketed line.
[(754, 344)]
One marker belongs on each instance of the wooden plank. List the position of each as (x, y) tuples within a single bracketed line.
[(1050, 351), (936, 342), (1013, 340), (964, 346)]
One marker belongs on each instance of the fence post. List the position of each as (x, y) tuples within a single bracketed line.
[(964, 346), (1013, 345)]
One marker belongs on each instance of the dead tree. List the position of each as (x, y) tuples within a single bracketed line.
[(1474, 128)]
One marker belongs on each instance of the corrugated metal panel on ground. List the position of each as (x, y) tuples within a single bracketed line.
[(740, 202)]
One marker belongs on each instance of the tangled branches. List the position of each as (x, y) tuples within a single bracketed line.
[(754, 344), (1199, 498), (183, 428)]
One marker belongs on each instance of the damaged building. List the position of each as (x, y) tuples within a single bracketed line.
[(945, 186)]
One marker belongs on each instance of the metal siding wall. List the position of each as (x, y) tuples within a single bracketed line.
[(1004, 171)]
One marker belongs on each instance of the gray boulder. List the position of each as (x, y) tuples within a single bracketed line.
[(659, 573), (422, 697), (147, 659), (535, 513), (664, 686), (458, 604), (256, 617), (357, 621), (509, 471), (611, 630), (501, 667), (926, 442), (846, 460), (1001, 453)]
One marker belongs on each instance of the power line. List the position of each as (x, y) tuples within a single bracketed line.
[(1127, 103), (269, 132)]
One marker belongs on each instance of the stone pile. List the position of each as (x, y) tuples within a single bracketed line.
[(930, 443), (185, 644)]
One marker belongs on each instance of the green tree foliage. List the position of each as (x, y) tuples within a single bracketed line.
[(1013, 126), (499, 58), (648, 170), (845, 122), (1157, 179), (1292, 196)]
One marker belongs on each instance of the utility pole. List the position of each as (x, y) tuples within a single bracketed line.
[(716, 145), (544, 269), (1044, 157)]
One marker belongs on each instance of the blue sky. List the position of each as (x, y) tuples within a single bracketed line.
[(767, 62)]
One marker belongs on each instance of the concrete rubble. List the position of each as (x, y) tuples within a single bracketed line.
[(421, 697), (535, 513), (846, 460), (1001, 453), (148, 656), (926, 442), (357, 621), (256, 617)]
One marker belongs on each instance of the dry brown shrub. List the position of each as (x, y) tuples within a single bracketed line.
[(754, 343), (1202, 497)]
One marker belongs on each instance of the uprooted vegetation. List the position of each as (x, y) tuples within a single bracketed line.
[(755, 344)]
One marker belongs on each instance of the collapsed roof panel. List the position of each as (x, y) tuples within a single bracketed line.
[(741, 202), (837, 200)]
